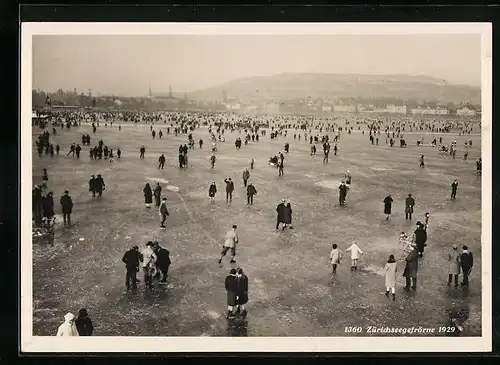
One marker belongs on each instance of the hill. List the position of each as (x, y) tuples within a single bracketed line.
[(289, 86)]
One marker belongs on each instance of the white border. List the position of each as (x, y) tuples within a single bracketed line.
[(30, 343)]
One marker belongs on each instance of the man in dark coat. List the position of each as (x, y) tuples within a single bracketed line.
[(84, 324), (388, 205), (409, 204), (229, 190), (241, 292), (454, 186), (466, 262), (280, 209), (142, 152), (48, 206), (420, 238), (99, 185), (163, 212), (342, 193), (212, 190), (231, 284), (132, 259), (251, 191), (157, 194), (161, 161), (410, 272), (162, 261), (67, 207), (37, 205), (92, 185)]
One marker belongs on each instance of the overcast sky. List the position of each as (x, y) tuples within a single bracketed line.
[(127, 65)]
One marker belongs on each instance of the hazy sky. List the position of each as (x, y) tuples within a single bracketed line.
[(127, 65)]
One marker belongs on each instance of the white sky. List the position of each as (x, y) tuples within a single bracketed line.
[(127, 65)]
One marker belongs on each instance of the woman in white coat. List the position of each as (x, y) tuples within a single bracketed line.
[(453, 265), (390, 276), (335, 257), (355, 254), (68, 328)]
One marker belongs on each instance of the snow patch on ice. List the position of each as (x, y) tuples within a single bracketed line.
[(158, 179), (329, 184), (173, 188)]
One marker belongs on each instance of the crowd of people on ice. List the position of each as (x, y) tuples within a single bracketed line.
[(155, 260)]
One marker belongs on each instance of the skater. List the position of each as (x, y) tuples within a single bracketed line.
[(148, 195), (163, 261), (409, 204), (287, 217), (231, 284), (246, 176), (280, 209), (163, 212), (118, 153), (212, 161), (335, 257), (148, 265), (157, 194), (390, 276), (212, 190), (422, 163), (67, 207), (342, 193), (132, 260), (355, 252), (348, 177), (454, 186), (420, 238), (388, 206), (251, 191), (161, 161), (230, 241), (466, 262), (142, 152), (251, 164), (241, 292), (280, 168), (100, 186), (83, 323), (410, 272), (92, 185), (453, 265), (229, 190)]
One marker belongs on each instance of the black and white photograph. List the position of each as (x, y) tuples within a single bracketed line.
[(253, 187)]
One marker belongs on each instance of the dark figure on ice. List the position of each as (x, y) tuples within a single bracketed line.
[(251, 191), (454, 186), (420, 238), (161, 161), (78, 149), (37, 205), (58, 149), (466, 262), (142, 152), (118, 153), (388, 205), (132, 260), (48, 205), (45, 178), (162, 261), (212, 161), (71, 150), (148, 195), (157, 194), (231, 285), (479, 166), (287, 147), (200, 142), (422, 163), (246, 176), (84, 324), (92, 185), (212, 190), (163, 212), (280, 168), (409, 204), (229, 190), (99, 185), (342, 193), (410, 272), (280, 210), (287, 218), (241, 292), (66, 207)]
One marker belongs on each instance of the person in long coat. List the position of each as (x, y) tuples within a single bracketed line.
[(280, 209), (231, 285), (342, 193), (390, 270), (157, 194), (242, 292), (466, 262), (84, 323), (410, 272), (68, 328), (388, 205), (409, 204), (148, 195), (163, 261), (287, 216), (420, 238), (212, 190), (48, 205), (453, 265), (66, 207)]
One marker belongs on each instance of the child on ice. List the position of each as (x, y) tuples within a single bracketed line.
[(355, 252), (335, 256), (390, 277)]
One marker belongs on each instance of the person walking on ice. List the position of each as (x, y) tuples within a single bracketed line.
[(390, 270), (355, 254), (335, 257)]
